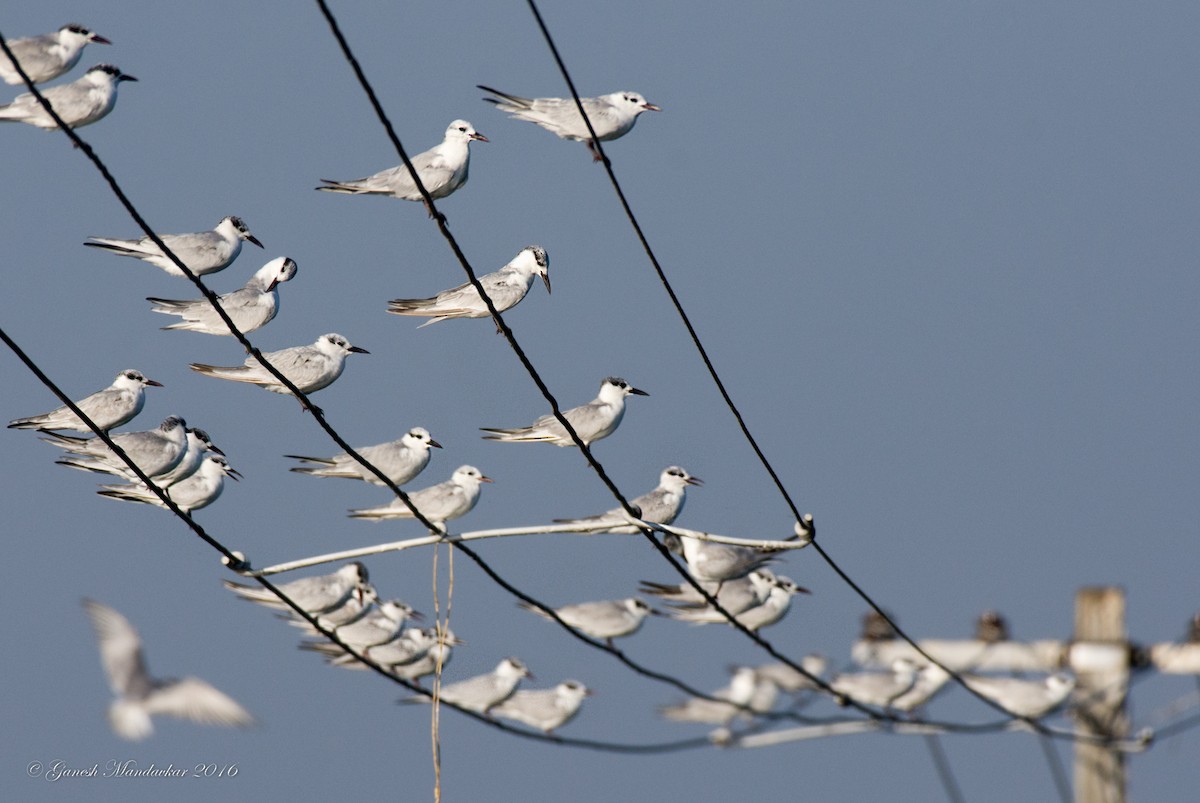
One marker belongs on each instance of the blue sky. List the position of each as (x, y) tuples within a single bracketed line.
[(941, 253)]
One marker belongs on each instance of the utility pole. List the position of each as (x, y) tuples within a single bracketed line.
[(1100, 657)]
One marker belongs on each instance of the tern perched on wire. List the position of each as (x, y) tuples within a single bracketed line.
[(79, 103), (440, 503), (734, 596), (356, 606), (544, 709), (773, 607), (597, 419), (379, 626), (109, 408), (482, 692), (731, 700), (199, 490), (506, 287), (400, 460), (611, 115), (252, 307), (199, 446), (1025, 698), (203, 252), (410, 645), (607, 619), (660, 506), (313, 594), (443, 169), (309, 368), (710, 562), (45, 57), (139, 696), (877, 688), (792, 681), (155, 451), (439, 655)]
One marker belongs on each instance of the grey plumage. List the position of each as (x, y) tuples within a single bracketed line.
[(505, 287), (79, 103), (109, 408), (46, 57), (597, 419), (203, 252)]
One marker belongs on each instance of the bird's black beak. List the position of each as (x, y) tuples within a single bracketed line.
[(546, 281), (100, 40), (434, 444), (694, 481), (359, 350), (250, 238), (479, 137), (154, 384), (124, 77), (637, 392)]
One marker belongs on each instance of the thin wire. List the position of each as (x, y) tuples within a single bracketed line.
[(1054, 761), (717, 379), (941, 763)]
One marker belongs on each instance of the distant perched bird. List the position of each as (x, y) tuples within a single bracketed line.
[(250, 308), (45, 57), (712, 562), (313, 594), (79, 103), (140, 696), (199, 490), (597, 419), (443, 169), (439, 655), (730, 701), (440, 503), (929, 681), (791, 681), (773, 607), (876, 627), (309, 368), (409, 646), (355, 607), (379, 626), (735, 596), (400, 460), (203, 252), (544, 709), (1025, 698), (607, 619), (877, 688), (155, 451), (611, 115), (117, 404), (482, 692), (660, 506), (506, 287), (991, 627)]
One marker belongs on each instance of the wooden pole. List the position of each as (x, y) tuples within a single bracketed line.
[(1099, 657)]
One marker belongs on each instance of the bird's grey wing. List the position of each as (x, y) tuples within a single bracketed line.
[(196, 700), (120, 650)]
